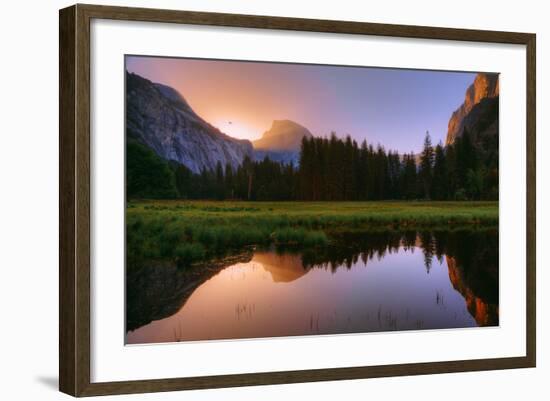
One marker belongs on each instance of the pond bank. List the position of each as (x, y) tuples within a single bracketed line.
[(370, 282), (193, 231)]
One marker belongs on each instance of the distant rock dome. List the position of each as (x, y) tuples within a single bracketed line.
[(284, 135)]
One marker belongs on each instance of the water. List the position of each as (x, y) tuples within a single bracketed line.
[(365, 283)]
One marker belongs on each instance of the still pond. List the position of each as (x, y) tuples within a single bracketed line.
[(368, 282)]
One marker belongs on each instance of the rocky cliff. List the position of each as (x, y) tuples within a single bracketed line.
[(157, 290), (159, 117), (282, 142), (479, 111), (284, 135), (484, 312)]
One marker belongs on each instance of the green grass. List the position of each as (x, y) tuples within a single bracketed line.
[(191, 231)]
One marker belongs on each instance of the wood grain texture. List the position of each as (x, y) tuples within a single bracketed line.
[(82, 193), (67, 131), (300, 376), (300, 24), (531, 228), (74, 198)]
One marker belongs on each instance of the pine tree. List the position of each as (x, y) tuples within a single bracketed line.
[(409, 177), (219, 184), (440, 174), (452, 172), (248, 176), (229, 188), (426, 165), (362, 172), (348, 170), (332, 169)]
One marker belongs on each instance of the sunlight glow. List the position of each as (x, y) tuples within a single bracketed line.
[(237, 129)]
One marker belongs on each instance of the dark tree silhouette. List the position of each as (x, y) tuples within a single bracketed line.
[(440, 190), (426, 166), (330, 169)]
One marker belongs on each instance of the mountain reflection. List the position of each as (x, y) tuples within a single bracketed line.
[(283, 267), (470, 258)]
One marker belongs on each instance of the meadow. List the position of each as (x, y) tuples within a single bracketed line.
[(194, 231)]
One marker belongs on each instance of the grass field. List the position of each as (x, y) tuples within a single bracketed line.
[(191, 231)]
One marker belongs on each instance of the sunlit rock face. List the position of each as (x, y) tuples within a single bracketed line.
[(479, 112), (284, 135), (282, 142), (484, 313), (159, 117), (283, 268)]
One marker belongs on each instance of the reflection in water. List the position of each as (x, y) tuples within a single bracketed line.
[(283, 268), (364, 283)]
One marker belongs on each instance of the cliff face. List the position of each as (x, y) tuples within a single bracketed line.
[(160, 118), (479, 112), (283, 268), (282, 142), (484, 313), (284, 135), (158, 290)]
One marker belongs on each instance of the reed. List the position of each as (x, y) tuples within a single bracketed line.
[(188, 232)]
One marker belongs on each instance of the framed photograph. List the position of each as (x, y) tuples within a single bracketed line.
[(251, 200)]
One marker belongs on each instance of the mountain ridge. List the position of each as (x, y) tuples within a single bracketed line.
[(284, 135), (159, 117), (282, 142), (480, 97)]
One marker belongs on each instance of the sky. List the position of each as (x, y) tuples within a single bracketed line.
[(392, 107)]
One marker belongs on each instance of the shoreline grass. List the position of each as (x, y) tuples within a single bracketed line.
[(191, 231)]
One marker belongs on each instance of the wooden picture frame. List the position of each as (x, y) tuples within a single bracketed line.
[(74, 204)]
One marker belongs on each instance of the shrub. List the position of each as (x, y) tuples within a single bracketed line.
[(315, 238), (188, 253), (290, 236)]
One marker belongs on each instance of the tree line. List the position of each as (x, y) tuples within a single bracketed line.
[(329, 169), (336, 169)]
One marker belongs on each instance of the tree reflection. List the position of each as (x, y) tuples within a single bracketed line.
[(471, 256)]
